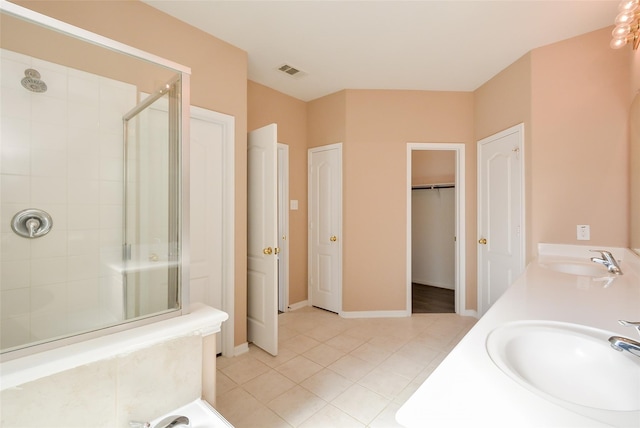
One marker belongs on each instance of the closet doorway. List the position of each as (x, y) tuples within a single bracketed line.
[(435, 228)]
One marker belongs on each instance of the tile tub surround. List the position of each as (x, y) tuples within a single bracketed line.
[(490, 396), (106, 382), (335, 372)]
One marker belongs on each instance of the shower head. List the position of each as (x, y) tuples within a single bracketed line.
[(32, 82)]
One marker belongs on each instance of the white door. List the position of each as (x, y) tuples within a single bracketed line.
[(325, 227), (262, 239), (211, 216), (283, 227), (500, 213)]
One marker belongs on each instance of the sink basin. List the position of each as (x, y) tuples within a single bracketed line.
[(569, 364), (578, 268)]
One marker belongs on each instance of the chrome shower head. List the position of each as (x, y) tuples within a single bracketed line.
[(32, 82)]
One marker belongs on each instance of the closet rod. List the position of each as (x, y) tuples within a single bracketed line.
[(433, 186)]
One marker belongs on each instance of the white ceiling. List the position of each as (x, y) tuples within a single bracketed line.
[(428, 45)]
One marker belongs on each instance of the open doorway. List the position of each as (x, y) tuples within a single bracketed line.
[(435, 228)]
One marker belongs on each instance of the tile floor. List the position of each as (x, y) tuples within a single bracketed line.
[(335, 372)]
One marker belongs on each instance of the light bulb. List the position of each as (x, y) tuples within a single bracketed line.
[(628, 5), (624, 18), (621, 31), (617, 43)]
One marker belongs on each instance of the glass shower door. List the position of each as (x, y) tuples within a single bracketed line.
[(151, 236)]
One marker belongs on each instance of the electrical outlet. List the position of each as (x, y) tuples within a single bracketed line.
[(583, 232)]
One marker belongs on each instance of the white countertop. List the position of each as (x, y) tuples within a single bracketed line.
[(468, 389)]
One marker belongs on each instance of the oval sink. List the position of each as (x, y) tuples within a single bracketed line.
[(577, 268), (567, 364)]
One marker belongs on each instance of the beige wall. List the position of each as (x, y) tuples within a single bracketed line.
[(218, 82), (580, 109), (267, 106), (433, 166), (379, 125)]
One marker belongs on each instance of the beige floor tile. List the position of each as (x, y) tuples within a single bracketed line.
[(262, 417), (268, 386), (223, 383), (419, 351), (236, 404), (324, 354), (284, 355), (296, 405), (331, 417), (327, 384), (402, 366), (387, 418), (335, 372), (371, 353), (385, 383), (361, 403), (351, 367), (245, 370), (345, 343), (299, 368), (300, 344)]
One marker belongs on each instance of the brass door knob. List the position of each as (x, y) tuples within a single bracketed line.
[(268, 250), (334, 238), (482, 241)]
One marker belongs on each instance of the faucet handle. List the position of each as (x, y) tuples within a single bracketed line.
[(635, 324)]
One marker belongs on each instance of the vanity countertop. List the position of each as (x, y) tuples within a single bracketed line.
[(468, 389)]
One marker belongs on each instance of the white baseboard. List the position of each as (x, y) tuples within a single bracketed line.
[(241, 349), (469, 313), (299, 305), (375, 314)]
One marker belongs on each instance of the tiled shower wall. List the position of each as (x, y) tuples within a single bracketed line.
[(61, 151)]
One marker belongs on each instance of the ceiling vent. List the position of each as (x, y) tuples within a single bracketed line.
[(291, 71)]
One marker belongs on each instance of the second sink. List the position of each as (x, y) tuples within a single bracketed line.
[(568, 364)]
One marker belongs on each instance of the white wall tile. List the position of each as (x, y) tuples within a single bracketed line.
[(83, 267), (14, 247), (111, 169), (50, 298), (15, 189), (84, 191), (48, 271), (15, 133), (15, 160), (49, 136), (83, 141), (83, 89), (53, 244), (14, 303), (47, 109), (83, 295), (48, 163), (83, 217), (15, 274), (48, 325), (83, 242), (84, 167), (15, 332), (48, 190), (84, 115), (15, 103)]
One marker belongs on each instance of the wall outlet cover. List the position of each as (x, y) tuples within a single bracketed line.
[(583, 232)]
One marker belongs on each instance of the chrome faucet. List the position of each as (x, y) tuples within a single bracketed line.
[(168, 422), (625, 344), (607, 260), (173, 421)]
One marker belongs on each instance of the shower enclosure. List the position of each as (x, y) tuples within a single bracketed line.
[(91, 185)]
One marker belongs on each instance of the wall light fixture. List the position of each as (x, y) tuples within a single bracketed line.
[(627, 25)]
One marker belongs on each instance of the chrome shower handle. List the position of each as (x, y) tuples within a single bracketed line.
[(31, 223)]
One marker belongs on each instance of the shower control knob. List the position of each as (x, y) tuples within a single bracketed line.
[(31, 223)]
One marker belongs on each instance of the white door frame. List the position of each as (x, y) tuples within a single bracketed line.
[(514, 129), (228, 219), (460, 230), (283, 227)]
